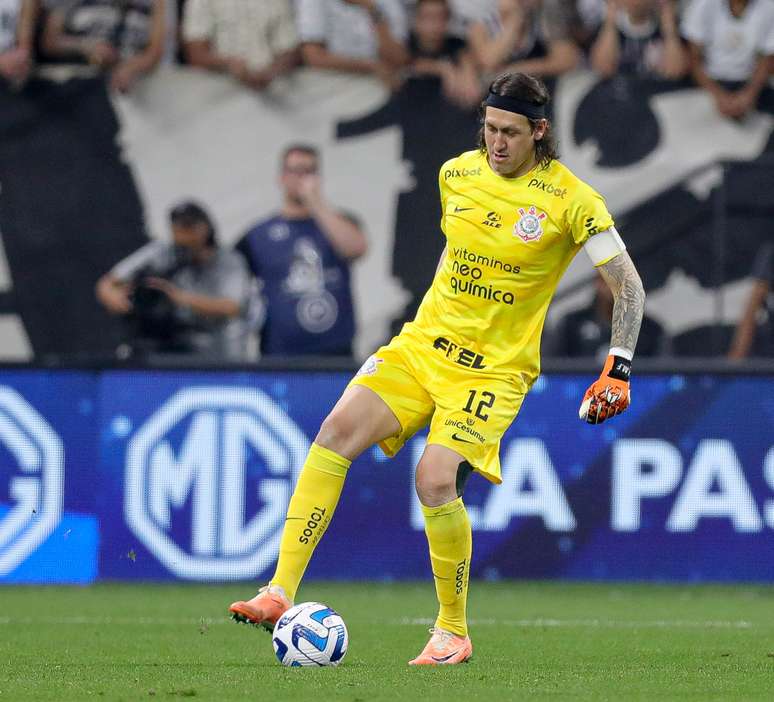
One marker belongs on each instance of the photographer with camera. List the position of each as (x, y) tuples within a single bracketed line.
[(187, 297)]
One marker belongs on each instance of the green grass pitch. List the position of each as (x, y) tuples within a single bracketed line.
[(532, 641)]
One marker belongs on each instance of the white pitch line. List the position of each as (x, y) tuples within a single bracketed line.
[(591, 623), (108, 621), (538, 623)]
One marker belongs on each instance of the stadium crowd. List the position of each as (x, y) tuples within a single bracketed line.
[(724, 46)]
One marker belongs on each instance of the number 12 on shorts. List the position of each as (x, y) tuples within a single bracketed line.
[(488, 400)]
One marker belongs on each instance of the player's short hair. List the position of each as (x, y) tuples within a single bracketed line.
[(531, 89), (188, 213), (300, 148)]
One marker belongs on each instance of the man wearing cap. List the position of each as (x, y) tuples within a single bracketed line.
[(513, 217), (184, 297)]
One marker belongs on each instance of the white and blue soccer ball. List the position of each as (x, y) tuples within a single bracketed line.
[(310, 633)]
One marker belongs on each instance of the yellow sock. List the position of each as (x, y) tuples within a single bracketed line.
[(451, 544), (309, 513)]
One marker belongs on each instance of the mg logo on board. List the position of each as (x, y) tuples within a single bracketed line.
[(32, 461), (194, 460)]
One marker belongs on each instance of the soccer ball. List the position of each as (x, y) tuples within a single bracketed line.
[(310, 633)]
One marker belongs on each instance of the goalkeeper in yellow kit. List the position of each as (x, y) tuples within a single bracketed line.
[(514, 217)]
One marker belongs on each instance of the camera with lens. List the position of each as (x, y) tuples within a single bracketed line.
[(154, 314)]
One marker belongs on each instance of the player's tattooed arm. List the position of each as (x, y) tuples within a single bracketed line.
[(629, 300)]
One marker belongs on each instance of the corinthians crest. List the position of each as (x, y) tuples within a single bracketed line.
[(528, 227)]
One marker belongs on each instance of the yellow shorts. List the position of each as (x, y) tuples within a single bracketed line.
[(468, 411)]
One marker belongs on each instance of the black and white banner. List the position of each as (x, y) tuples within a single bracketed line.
[(87, 177)]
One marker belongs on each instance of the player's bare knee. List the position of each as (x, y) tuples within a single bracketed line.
[(334, 430), (343, 433), (433, 487)]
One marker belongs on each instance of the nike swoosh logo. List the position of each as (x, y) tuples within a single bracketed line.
[(458, 438), (443, 659), (462, 209)]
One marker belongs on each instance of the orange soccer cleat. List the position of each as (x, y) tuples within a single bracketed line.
[(264, 609), (444, 648)]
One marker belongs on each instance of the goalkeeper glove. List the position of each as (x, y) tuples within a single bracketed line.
[(609, 395)]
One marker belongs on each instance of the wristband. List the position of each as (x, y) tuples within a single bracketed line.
[(621, 369)]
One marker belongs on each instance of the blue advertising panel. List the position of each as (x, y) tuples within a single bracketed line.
[(186, 475), (48, 477)]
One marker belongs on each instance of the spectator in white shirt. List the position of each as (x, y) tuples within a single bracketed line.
[(359, 36), (256, 42), (17, 29), (731, 46)]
